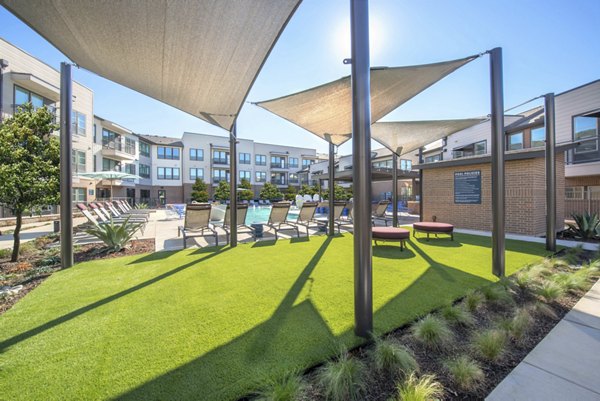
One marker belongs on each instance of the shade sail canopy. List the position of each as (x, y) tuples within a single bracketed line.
[(326, 110), (200, 56), (402, 137)]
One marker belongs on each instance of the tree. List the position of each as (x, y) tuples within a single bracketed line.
[(305, 190), (270, 192), (247, 194), (200, 191), (29, 164), (290, 193), (222, 192), (339, 193)]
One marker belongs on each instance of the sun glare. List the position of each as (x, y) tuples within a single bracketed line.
[(341, 38)]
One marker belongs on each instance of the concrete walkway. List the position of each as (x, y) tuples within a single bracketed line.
[(563, 366)]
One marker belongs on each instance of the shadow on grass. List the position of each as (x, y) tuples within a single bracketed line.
[(211, 252), (444, 241), (392, 252)]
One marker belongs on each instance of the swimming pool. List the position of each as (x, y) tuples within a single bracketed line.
[(260, 214)]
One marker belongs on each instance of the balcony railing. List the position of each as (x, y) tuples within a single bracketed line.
[(115, 145), (218, 160), (279, 181), (216, 180), (260, 180), (293, 180), (282, 165)]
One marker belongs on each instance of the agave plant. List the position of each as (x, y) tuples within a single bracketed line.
[(115, 236), (586, 225)]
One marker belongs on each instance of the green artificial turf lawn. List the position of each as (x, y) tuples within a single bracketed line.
[(209, 324)]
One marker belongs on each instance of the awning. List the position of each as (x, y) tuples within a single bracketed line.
[(199, 56), (377, 174), (326, 110), (402, 137)]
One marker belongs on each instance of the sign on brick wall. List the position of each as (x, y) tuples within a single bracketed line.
[(467, 187)]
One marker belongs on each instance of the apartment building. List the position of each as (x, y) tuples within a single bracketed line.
[(24, 79)]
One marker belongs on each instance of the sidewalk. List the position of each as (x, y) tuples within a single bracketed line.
[(563, 366)]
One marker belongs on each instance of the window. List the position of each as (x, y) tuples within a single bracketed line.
[(196, 154), (144, 170), (515, 141), (538, 137), (23, 96), (278, 178), (382, 164), (79, 194), (585, 131), (78, 160), (220, 157), (245, 175), (130, 146), (433, 158), (144, 195), (260, 160), (220, 175), (110, 139), (293, 162), (78, 123), (196, 173), (110, 165), (293, 178), (144, 149), (278, 162), (168, 153), (130, 168), (260, 176), (244, 158), (405, 165), (473, 149), (307, 162), (168, 173), (574, 192)]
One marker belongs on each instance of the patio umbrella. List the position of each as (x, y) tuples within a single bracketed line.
[(109, 175)]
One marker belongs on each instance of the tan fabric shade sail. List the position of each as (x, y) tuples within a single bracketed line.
[(402, 137), (326, 110), (200, 56)]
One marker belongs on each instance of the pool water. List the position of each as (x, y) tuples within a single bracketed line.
[(260, 214)]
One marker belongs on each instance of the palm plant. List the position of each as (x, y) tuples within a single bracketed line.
[(115, 236)]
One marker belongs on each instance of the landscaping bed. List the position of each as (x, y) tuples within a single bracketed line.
[(519, 311), (40, 258)]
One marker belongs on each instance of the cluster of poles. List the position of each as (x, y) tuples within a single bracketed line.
[(361, 168)]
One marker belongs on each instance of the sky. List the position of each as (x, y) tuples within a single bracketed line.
[(548, 46)]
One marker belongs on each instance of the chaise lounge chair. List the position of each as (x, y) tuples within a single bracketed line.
[(306, 216), (380, 212), (197, 221), (278, 217), (242, 211), (338, 210)]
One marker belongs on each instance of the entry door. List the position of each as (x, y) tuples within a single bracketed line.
[(130, 193), (162, 197)]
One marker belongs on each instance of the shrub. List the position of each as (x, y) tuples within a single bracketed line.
[(5, 253), (343, 379), (543, 309), (586, 225), (517, 326), (573, 255), (289, 387), (457, 315), (393, 358), (473, 300), (115, 236), (27, 248), (490, 344), (571, 281), (524, 279), (549, 291), (432, 332), (497, 295), (465, 372), (426, 388)]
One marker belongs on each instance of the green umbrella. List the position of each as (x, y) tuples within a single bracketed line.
[(109, 175)]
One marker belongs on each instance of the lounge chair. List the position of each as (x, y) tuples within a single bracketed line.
[(197, 220), (113, 213), (349, 219), (338, 209), (278, 217), (380, 212), (130, 209), (103, 219), (306, 216), (242, 211)]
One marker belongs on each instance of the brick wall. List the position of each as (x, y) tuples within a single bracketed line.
[(525, 197)]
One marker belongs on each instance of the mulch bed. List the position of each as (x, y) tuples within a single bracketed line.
[(28, 273)]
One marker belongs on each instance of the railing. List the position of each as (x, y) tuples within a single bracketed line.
[(115, 145), (293, 181), (260, 180), (279, 181), (219, 160), (279, 165), (582, 201), (216, 180)]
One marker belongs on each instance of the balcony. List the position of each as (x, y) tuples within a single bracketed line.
[(116, 151), (217, 180), (281, 166), (293, 180), (222, 161), (279, 181)]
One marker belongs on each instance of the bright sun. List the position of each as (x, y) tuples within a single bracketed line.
[(341, 38)]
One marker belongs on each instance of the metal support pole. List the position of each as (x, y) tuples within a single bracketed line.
[(66, 187), (498, 146), (361, 167), (233, 174), (3, 65), (331, 188), (395, 189), (420, 185), (549, 116)]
